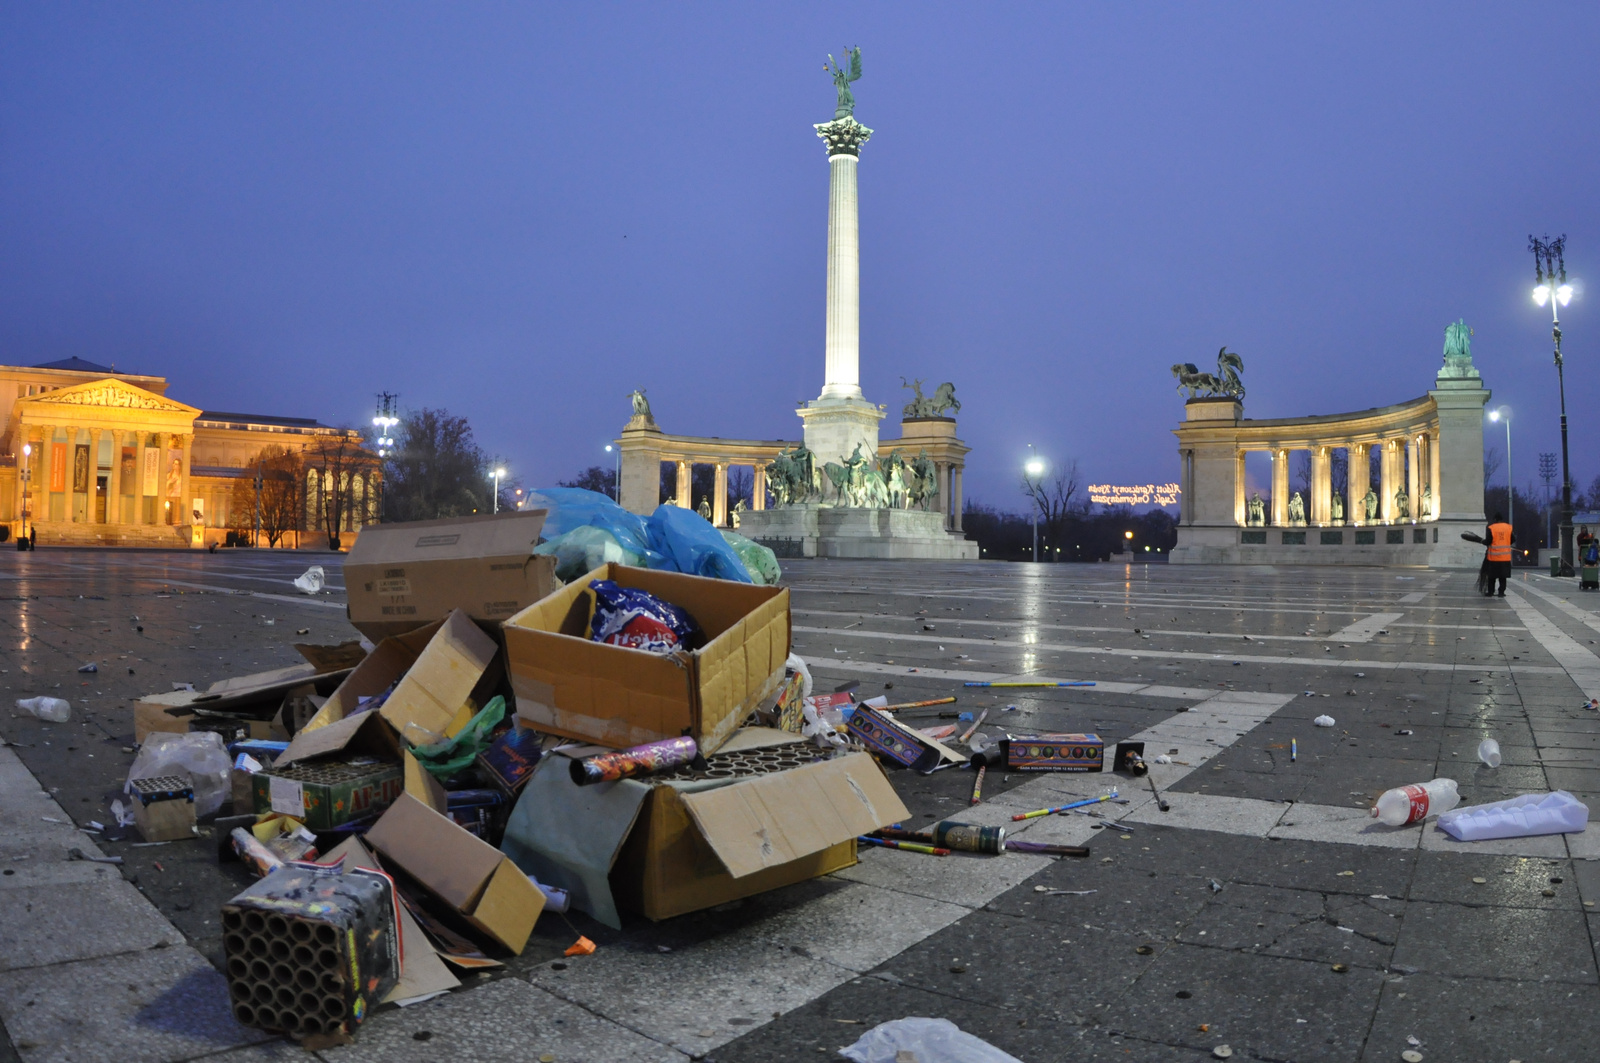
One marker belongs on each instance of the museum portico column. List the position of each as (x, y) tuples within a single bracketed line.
[(71, 466), (719, 496), (184, 515), (114, 480), (41, 490), (140, 439), (1280, 486), (91, 494)]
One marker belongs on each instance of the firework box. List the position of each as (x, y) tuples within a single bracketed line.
[(310, 950), (664, 847), (403, 575), (163, 808), (511, 758), (1054, 752), (347, 770), (567, 684), (882, 734), (465, 872)]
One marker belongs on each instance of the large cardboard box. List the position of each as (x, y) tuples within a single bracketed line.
[(465, 872), (671, 847), (401, 576), (567, 684)]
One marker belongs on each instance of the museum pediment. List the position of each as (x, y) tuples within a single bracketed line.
[(111, 394)]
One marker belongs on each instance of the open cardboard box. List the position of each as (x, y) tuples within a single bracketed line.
[(438, 667), (567, 684), (243, 697), (401, 576), (667, 848), (465, 872)]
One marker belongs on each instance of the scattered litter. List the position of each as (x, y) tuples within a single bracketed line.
[(925, 1041), (51, 710), (1323, 721), (1518, 817), (582, 947), (79, 854), (1411, 1055), (1489, 752), (90, 667), (122, 813), (312, 580), (1048, 892), (1163, 759), (1216, 887), (1405, 805), (200, 755), (1222, 1052)]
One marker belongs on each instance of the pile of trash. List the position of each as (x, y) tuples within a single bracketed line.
[(509, 736)]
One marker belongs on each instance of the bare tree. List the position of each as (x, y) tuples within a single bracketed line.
[(280, 471), (340, 458), (1058, 501)]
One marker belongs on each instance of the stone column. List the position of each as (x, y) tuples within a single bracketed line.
[(956, 473), (1320, 486), (1433, 473), (1414, 474), (92, 491), (684, 489), (844, 138), (758, 487), (71, 460), (139, 440), (39, 507), (114, 480), (719, 496), (1386, 481), (184, 514), (1240, 510), (1280, 486), (1360, 474)]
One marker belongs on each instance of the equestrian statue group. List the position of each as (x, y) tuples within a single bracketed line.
[(860, 481)]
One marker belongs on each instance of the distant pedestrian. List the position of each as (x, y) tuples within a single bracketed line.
[(1588, 560), (1497, 558)]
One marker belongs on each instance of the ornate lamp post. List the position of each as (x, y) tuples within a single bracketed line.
[(616, 484), (1550, 273), (1032, 470), (1547, 473), (498, 473), (23, 541)]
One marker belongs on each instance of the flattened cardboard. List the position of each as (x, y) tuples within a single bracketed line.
[(439, 682), (387, 662), (568, 685), (465, 872), (400, 576), (769, 820), (364, 734), (237, 694)]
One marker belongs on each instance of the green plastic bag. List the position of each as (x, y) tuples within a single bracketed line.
[(758, 560), (444, 759)]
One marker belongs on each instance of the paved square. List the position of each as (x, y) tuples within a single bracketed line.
[(1265, 910)]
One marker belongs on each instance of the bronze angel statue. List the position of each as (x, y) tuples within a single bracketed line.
[(841, 81)]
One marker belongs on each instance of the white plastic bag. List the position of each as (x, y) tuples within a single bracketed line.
[(799, 665), (1519, 817), (201, 755), (930, 1040), (51, 710), (313, 579), (1323, 721)]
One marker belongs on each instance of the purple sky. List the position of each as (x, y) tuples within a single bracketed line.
[(520, 212)]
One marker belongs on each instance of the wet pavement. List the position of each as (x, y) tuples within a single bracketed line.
[(1263, 910)]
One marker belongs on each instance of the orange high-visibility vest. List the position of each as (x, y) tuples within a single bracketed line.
[(1499, 542)]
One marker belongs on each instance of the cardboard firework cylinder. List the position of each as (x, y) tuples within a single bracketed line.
[(163, 808), (310, 951), (328, 793), (1054, 752)]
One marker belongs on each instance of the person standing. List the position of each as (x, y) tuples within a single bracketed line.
[(1497, 561)]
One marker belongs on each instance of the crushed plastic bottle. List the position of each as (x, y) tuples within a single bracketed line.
[(1489, 752), (51, 710), (312, 580), (1412, 804)]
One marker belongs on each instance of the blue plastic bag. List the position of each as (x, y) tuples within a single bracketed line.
[(573, 507), (688, 543)]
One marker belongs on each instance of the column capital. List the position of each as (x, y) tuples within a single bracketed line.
[(843, 136)]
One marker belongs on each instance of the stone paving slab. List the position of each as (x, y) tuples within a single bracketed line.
[(76, 921)]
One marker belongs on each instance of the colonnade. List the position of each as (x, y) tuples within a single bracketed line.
[(138, 489), (1409, 462)]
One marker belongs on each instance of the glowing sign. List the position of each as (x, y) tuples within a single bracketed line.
[(1134, 494)]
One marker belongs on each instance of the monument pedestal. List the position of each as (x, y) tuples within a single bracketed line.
[(813, 530), (834, 427)]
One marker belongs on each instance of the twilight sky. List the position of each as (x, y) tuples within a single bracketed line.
[(520, 212)]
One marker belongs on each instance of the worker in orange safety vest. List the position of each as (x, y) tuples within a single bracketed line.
[(1497, 562)]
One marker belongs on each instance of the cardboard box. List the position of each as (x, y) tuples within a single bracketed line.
[(163, 808), (243, 701), (465, 872), (401, 576), (438, 668), (569, 685), (1054, 752), (667, 848)]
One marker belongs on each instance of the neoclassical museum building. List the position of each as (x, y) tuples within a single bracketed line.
[(93, 456)]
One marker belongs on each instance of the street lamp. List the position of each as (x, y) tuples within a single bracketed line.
[(1550, 275), (1503, 413), (497, 474), (1034, 468), (384, 421), (23, 542), (616, 484), (1128, 535)]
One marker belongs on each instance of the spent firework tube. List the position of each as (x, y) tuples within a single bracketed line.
[(969, 838), (647, 759)]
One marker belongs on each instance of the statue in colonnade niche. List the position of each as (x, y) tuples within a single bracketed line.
[(1257, 512), (704, 508), (1369, 502), (738, 511), (1297, 509), (1336, 507), (1425, 511), (1402, 505)]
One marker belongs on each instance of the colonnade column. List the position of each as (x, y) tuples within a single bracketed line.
[(1387, 481), (758, 487), (1320, 482), (719, 496), (1360, 481), (1433, 474), (684, 487), (1280, 486), (955, 497), (1413, 480), (1241, 514)]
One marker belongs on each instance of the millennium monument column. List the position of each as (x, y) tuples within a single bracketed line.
[(840, 419)]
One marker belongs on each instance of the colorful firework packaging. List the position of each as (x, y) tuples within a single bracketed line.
[(969, 838), (891, 739), (638, 620), (631, 763), (1054, 752)]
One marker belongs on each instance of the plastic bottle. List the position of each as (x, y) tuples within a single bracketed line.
[(53, 710), (1415, 803), (1489, 752)]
